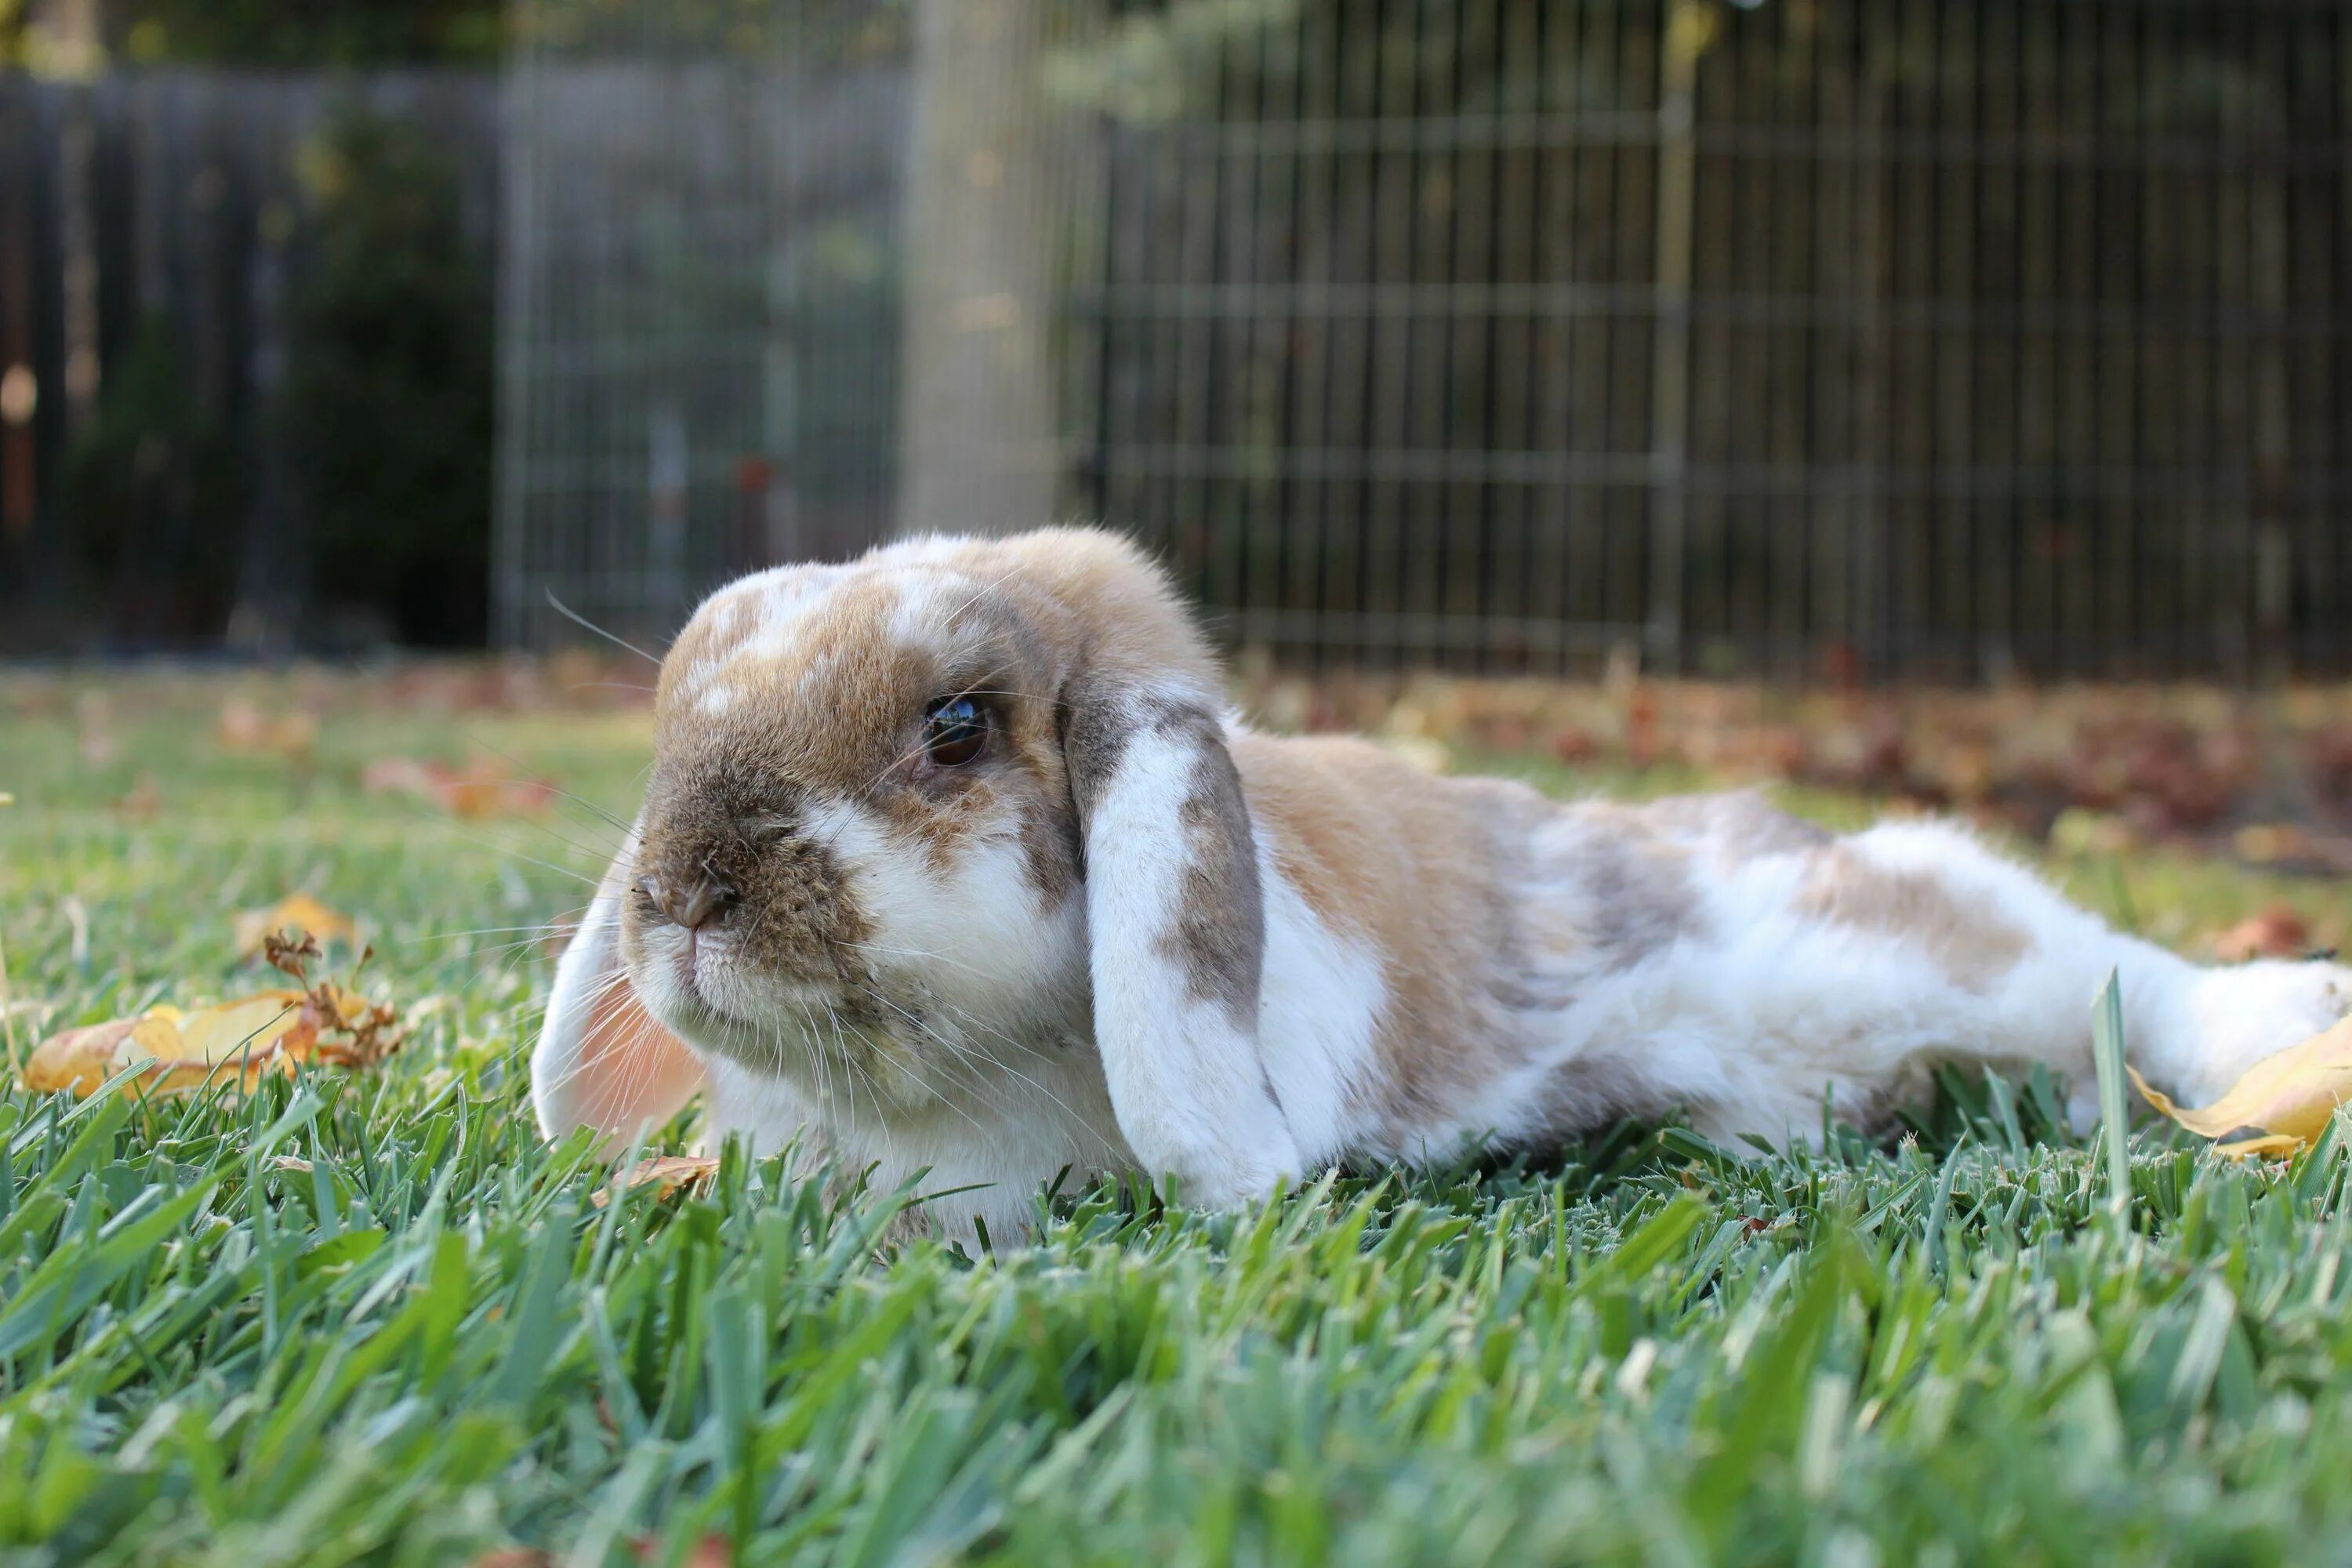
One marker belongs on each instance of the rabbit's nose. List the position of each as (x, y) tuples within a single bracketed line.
[(692, 905)]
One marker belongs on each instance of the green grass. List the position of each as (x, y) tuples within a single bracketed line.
[(430, 1345)]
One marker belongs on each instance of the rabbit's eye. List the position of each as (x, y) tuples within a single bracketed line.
[(955, 733)]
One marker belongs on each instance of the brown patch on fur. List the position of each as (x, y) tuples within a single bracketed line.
[(1095, 735), (1050, 856), (792, 915), (1220, 936), (1914, 908), (1634, 885)]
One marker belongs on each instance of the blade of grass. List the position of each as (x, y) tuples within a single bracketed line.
[(2108, 1058)]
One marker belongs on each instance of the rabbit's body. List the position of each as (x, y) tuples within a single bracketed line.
[(1127, 933)]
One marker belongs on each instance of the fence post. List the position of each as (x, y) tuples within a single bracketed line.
[(76, 201), (977, 439), (1690, 27), (518, 229)]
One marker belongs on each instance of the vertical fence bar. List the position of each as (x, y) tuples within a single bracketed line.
[(1690, 27)]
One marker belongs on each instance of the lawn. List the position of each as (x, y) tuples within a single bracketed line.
[(370, 1318)]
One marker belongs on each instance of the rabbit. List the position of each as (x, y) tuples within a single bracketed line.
[(952, 860)]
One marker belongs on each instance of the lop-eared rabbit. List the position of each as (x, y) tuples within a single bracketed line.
[(951, 858)]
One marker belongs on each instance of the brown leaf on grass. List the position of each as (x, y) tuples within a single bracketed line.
[(712, 1550), (2270, 843), (142, 803), (94, 717), (291, 953), (481, 788), (2277, 931), (297, 912), (245, 728), (665, 1173), (237, 1043), (2282, 1104)]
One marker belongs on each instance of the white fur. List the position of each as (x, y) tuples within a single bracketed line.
[(1319, 1014), (1754, 1021), (975, 929), (562, 1086), (609, 1070)]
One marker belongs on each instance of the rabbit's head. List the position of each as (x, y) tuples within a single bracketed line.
[(860, 860)]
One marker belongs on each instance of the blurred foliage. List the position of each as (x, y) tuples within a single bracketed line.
[(356, 33), (154, 488), (388, 391), (256, 33), (1164, 59), (829, 32), (314, 32)]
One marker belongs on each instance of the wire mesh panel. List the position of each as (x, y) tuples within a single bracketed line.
[(1937, 336), (1816, 338), (700, 339)]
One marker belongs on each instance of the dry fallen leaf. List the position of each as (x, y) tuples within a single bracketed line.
[(665, 1173), (244, 728), (143, 802), (240, 1040), (2277, 931), (712, 1550), (2269, 842), (481, 788), (2269, 1146), (2282, 1104), (237, 1042), (297, 912)]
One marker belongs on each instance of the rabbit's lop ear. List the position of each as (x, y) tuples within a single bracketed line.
[(1175, 918), (602, 1061)]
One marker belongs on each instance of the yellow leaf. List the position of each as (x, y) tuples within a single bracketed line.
[(2269, 1145), (236, 1042), (79, 1061), (2289, 1096), (248, 1026), (297, 912)]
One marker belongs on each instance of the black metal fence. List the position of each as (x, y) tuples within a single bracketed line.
[(1947, 338), (1808, 338)]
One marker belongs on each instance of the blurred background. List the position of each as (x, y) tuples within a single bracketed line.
[(1827, 341)]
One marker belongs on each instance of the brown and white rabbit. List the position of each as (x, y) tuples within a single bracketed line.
[(950, 858)]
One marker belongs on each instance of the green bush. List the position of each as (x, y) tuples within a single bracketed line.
[(387, 401), (157, 501)]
